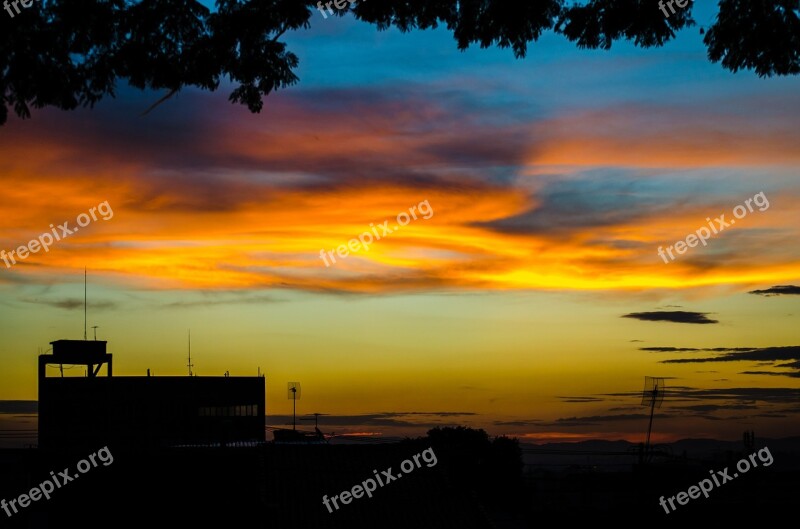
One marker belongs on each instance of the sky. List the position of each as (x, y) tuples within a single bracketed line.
[(528, 297)]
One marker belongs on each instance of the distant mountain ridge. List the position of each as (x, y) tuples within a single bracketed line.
[(599, 454)]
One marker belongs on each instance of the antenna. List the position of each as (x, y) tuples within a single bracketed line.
[(95, 331), (84, 303), (190, 365), (653, 396), (316, 419), (320, 435), (294, 396)]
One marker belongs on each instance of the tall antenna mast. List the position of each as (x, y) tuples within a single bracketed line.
[(190, 365), (653, 396), (294, 395), (84, 303)]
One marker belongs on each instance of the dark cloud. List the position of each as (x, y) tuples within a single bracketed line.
[(693, 349), (675, 316), (594, 200), (715, 418), (749, 395), (73, 303), (19, 406), (581, 399), (237, 300), (706, 408), (778, 357), (178, 147), (689, 402), (668, 349), (780, 290), (597, 419), (771, 373), (531, 422), (396, 419), (507, 147)]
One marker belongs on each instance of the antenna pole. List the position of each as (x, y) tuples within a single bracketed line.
[(84, 303), (650, 426), (190, 365)]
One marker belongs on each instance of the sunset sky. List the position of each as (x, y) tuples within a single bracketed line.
[(522, 305)]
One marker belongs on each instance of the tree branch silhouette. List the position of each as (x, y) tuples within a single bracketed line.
[(71, 53)]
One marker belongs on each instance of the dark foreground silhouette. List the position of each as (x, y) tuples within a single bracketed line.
[(476, 482)]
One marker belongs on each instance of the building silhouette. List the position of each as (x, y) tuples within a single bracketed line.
[(140, 412)]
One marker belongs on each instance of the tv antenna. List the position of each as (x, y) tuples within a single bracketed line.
[(653, 396), (294, 396), (316, 419), (320, 435), (190, 365)]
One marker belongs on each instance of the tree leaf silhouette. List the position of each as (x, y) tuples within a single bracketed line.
[(71, 53)]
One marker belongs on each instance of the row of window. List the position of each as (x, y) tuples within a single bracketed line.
[(228, 411)]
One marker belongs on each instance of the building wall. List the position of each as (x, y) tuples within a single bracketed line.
[(150, 411)]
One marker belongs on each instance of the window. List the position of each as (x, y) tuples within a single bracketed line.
[(242, 410)]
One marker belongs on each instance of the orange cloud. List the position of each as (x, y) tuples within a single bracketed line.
[(244, 202), (664, 137)]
